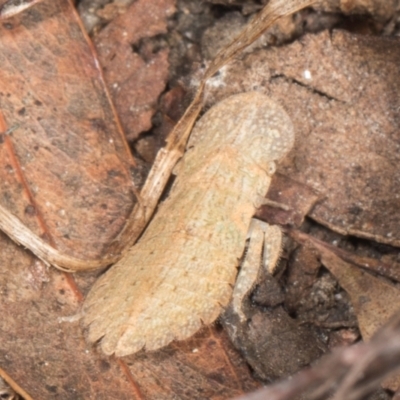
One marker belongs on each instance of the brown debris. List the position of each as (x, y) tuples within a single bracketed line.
[(308, 104), (136, 78), (172, 106), (380, 10), (97, 13), (361, 256), (62, 151), (206, 366), (302, 272), (351, 373), (41, 344), (273, 343), (374, 300), (314, 296), (295, 199), (341, 91)]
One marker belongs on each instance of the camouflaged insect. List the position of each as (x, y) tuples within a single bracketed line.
[(180, 274)]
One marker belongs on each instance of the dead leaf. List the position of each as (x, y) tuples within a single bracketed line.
[(65, 165), (204, 367), (62, 142), (374, 300), (41, 344), (344, 104), (296, 200)]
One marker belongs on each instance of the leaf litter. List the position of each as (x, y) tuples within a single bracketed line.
[(295, 113)]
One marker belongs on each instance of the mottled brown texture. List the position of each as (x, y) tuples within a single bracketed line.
[(180, 274), (44, 353), (293, 200), (341, 90), (353, 372), (135, 78), (381, 10), (302, 273), (374, 300), (206, 366), (65, 165), (39, 276), (273, 343), (6, 391), (65, 173), (313, 294)]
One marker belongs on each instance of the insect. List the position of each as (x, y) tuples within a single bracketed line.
[(180, 274)]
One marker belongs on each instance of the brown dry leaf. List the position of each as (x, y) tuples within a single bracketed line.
[(136, 79), (384, 265), (292, 202), (204, 367), (313, 295), (42, 347), (374, 300), (65, 171), (345, 106), (65, 165)]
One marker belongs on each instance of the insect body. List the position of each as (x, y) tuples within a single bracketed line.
[(181, 272)]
